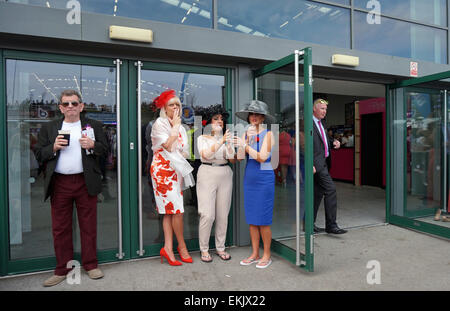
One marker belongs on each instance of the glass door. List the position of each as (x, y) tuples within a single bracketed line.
[(418, 153), (195, 86), (286, 86), (33, 82), (127, 223)]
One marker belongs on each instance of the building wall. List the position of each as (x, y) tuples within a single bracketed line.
[(46, 30)]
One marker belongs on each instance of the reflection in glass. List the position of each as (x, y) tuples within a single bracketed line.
[(32, 90), (423, 137), (277, 89), (401, 39), (288, 19), (418, 154), (192, 13), (193, 90), (426, 11), (344, 2)]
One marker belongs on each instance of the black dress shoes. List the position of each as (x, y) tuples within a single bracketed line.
[(336, 230), (318, 229)]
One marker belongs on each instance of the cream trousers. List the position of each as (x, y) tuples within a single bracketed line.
[(214, 189)]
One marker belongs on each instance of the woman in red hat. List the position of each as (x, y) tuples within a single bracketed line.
[(170, 173)]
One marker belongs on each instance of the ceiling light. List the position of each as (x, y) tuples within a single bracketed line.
[(205, 14), (257, 33), (224, 21), (335, 12), (301, 13), (171, 2), (324, 10), (284, 24), (185, 6), (243, 29)]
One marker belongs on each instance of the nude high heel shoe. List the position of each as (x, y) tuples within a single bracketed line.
[(437, 216)]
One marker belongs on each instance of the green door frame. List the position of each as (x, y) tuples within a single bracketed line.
[(283, 250), (402, 221), (192, 244), (48, 263), (4, 218)]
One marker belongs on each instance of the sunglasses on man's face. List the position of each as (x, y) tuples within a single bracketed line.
[(66, 104)]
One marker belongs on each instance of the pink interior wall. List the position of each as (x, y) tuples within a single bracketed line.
[(375, 105)]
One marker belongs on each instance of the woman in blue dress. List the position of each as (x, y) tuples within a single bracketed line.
[(259, 179)]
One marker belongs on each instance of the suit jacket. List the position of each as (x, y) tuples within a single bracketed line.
[(91, 168), (320, 162)]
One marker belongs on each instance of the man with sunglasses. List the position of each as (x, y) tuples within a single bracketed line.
[(72, 174)]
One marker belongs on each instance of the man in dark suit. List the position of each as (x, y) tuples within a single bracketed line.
[(72, 174), (323, 184)]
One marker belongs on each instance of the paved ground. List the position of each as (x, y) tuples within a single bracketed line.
[(409, 261)]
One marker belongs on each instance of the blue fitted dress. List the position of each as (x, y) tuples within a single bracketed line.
[(259, 186)]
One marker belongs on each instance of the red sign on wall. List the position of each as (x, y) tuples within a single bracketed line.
[(414, 69)]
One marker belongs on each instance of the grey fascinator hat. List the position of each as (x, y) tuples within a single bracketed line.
[(256, 106)]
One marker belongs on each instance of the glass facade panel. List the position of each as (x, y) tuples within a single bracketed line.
[(32, 90), (397, 165), (401, 39), (288, 19), (423, 151), (193, 90), (277, 89), (419, 157), (190, 12), (426, 11)]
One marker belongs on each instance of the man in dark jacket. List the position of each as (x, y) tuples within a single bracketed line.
[(323, 184), (72, 174)]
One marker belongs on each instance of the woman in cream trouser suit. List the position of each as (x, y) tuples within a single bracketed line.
[(214, 181)]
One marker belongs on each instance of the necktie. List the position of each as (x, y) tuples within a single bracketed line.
[(323, 138)]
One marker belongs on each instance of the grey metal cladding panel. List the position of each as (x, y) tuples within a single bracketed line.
[(375, 63), (175, 37), (169, 36), (37, 21)]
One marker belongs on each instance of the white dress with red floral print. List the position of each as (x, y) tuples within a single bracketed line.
[(167, 184)]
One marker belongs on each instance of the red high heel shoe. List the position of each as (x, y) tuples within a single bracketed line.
[(188, 260), (163, 253)]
